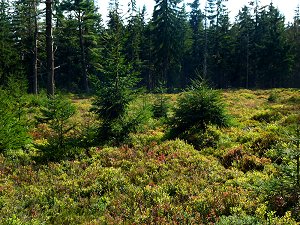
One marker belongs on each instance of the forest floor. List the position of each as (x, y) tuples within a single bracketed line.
[(242, 174)]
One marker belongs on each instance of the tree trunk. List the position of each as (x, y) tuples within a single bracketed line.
[(49, 49), (83, 56), (35, 50)]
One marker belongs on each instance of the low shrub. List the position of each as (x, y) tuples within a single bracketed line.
[(264, 143), (56, 113), (239, 220), (200, 140), (251, 162), (231, 156), (292, 120), (267, 116), (273, 97), (196, 110), (294, 100), (161, 103), (14, 124)]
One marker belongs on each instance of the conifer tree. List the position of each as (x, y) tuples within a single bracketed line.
[(218, 43), (10, 59), (184, 48), (165, 41), (25, 25), (294, 38), (198, 39), (243, 72), (79, 22), (134, 30), (115, 83), (273, 50)]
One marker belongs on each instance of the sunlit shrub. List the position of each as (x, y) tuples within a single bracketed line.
[(196, 110), (292, 119), (56, 113), (273, 97), (232, 155), (161, 103), (265, 142), (294, 100), (239, 220), (14, 125), (251, 162), (267, 116)]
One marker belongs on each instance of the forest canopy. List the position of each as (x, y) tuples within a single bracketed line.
[(257, 50)]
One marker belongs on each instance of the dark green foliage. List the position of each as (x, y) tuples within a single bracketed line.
[(111, 106), (134, 119), (134, 34), (161, 104), (56, 113), (195, 61), (257, 50), (78, 39), (115, 87), (243, 67), (168, 30), (219, 44), (197, 109), (111, 102), (267, 116), (273, 97), (161, 107), (25, 22), (273, 57), (13, 122), (10, 58)]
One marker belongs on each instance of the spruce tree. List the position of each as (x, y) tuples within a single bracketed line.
[(147, 56), (218, 43), (243, 68), (14, 124), (115, 83), (10, 58), (134, 33), (294, 39), (165, 41), (198, 37), (185, 43), (273, 50), (25, 25), (78, 33)]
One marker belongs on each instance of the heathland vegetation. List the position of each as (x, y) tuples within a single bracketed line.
[(239, 165), (119, 123)]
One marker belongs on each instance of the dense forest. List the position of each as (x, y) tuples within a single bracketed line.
[(67, 43)]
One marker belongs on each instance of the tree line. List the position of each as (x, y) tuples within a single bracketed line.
[(65, 43)]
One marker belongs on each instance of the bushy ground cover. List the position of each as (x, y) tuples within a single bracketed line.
[(242, 174)]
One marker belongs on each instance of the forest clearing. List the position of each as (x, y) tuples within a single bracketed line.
[(184, 116), (245, 173)]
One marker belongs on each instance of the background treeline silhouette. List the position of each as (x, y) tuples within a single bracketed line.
[(258, 50)]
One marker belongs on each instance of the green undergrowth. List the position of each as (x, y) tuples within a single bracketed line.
[(245, 173), (159, 183)]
